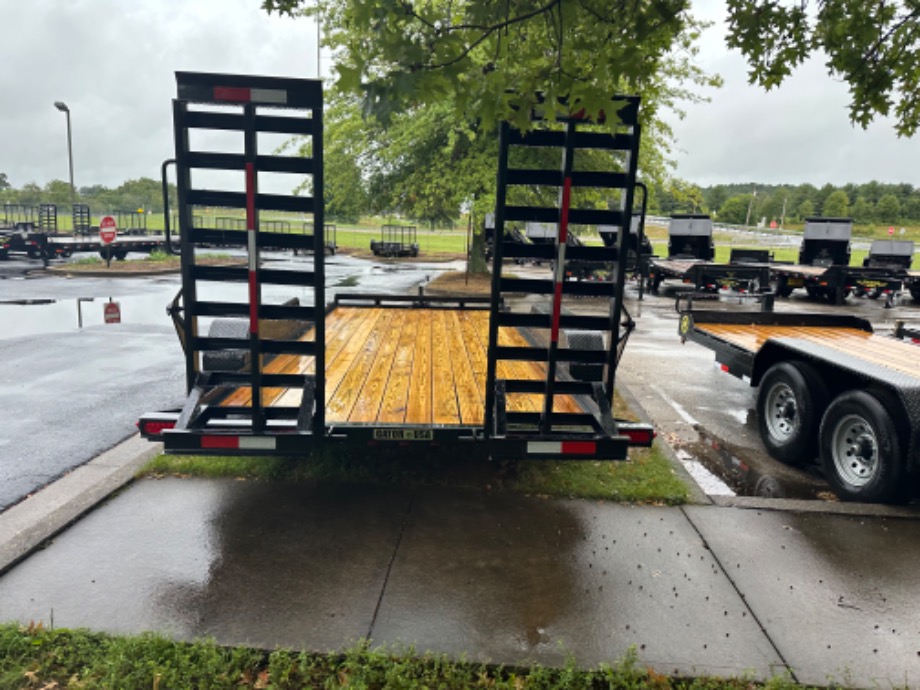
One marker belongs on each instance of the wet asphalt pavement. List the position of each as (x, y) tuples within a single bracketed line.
[(703, 589)]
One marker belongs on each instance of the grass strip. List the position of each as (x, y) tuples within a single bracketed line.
[(647, 477), (35, 657)]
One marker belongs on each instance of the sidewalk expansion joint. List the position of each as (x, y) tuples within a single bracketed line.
[(741, 596), (386, 578)]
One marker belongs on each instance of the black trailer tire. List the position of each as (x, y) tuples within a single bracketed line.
[(861, 451), (780, 287), (790, 403), (915, 292)]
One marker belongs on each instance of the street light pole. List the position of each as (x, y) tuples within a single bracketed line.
[(60, 105)]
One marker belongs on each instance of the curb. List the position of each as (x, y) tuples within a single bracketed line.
[(43, 514)]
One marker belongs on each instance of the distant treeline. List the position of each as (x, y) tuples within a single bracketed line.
[(752, 203), (145, 193)]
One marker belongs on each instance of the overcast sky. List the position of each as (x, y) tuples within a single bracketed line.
[(113, 62)]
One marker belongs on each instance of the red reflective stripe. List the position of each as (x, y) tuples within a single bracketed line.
[(566, 200), (250, 225), (220, 441), (557, 302), (231, 93), (563, 235), (724, 367), (579, 447)]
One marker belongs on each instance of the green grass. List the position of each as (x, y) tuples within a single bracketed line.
[(88, 261), (34, 657), (647, 477)]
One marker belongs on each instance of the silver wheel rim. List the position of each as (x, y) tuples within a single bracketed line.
[(782, 412), (855, 449)]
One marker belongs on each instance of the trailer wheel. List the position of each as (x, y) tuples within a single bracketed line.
[(860, 449), (790, 403), (779, 286)]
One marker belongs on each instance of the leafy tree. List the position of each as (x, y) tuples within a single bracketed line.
[(806, 209), (56, 192), (872, 45), (345, 141), (4, 182), (912, 207), (888, 208), (401, 53), (862, 211), (30, 194), (714, 197), (837, 205), (734, 210)]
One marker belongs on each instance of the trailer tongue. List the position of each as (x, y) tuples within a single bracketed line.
[(398, 371)]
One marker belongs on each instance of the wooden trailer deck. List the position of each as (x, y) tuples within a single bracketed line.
[(877, 349), (406, 366)]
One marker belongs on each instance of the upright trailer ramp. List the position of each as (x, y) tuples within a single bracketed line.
[(251, 107), (560, 148)]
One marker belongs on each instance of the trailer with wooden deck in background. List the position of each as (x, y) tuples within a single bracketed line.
[(828, 387), (390, 371)]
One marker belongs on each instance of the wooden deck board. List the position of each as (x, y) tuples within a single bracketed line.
[(407, 366), (367, 404), (469, 391), (419, 408), (880, 350), (358, 361), (396, 396)]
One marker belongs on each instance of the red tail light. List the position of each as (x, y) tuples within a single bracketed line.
[(155, 428)]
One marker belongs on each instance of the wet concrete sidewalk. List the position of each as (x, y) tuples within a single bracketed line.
[(702, 589)]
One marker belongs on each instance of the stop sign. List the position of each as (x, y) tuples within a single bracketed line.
[(112, 312), (107, 229)]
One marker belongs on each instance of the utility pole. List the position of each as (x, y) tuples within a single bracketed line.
[(60, 105), (782, 218), (747, 219)]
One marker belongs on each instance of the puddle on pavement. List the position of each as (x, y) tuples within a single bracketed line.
[(729, 470), (42, 316)]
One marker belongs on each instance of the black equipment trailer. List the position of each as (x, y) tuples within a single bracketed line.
[(395, 241), (828, 387), (824, 270), (691, 251), (392, 372)]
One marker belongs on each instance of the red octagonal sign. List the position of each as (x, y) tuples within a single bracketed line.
[(107, 229)]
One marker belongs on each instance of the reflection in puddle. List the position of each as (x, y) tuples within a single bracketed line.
[(42, 316)]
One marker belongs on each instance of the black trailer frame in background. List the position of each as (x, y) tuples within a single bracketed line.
[(396, 240)]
